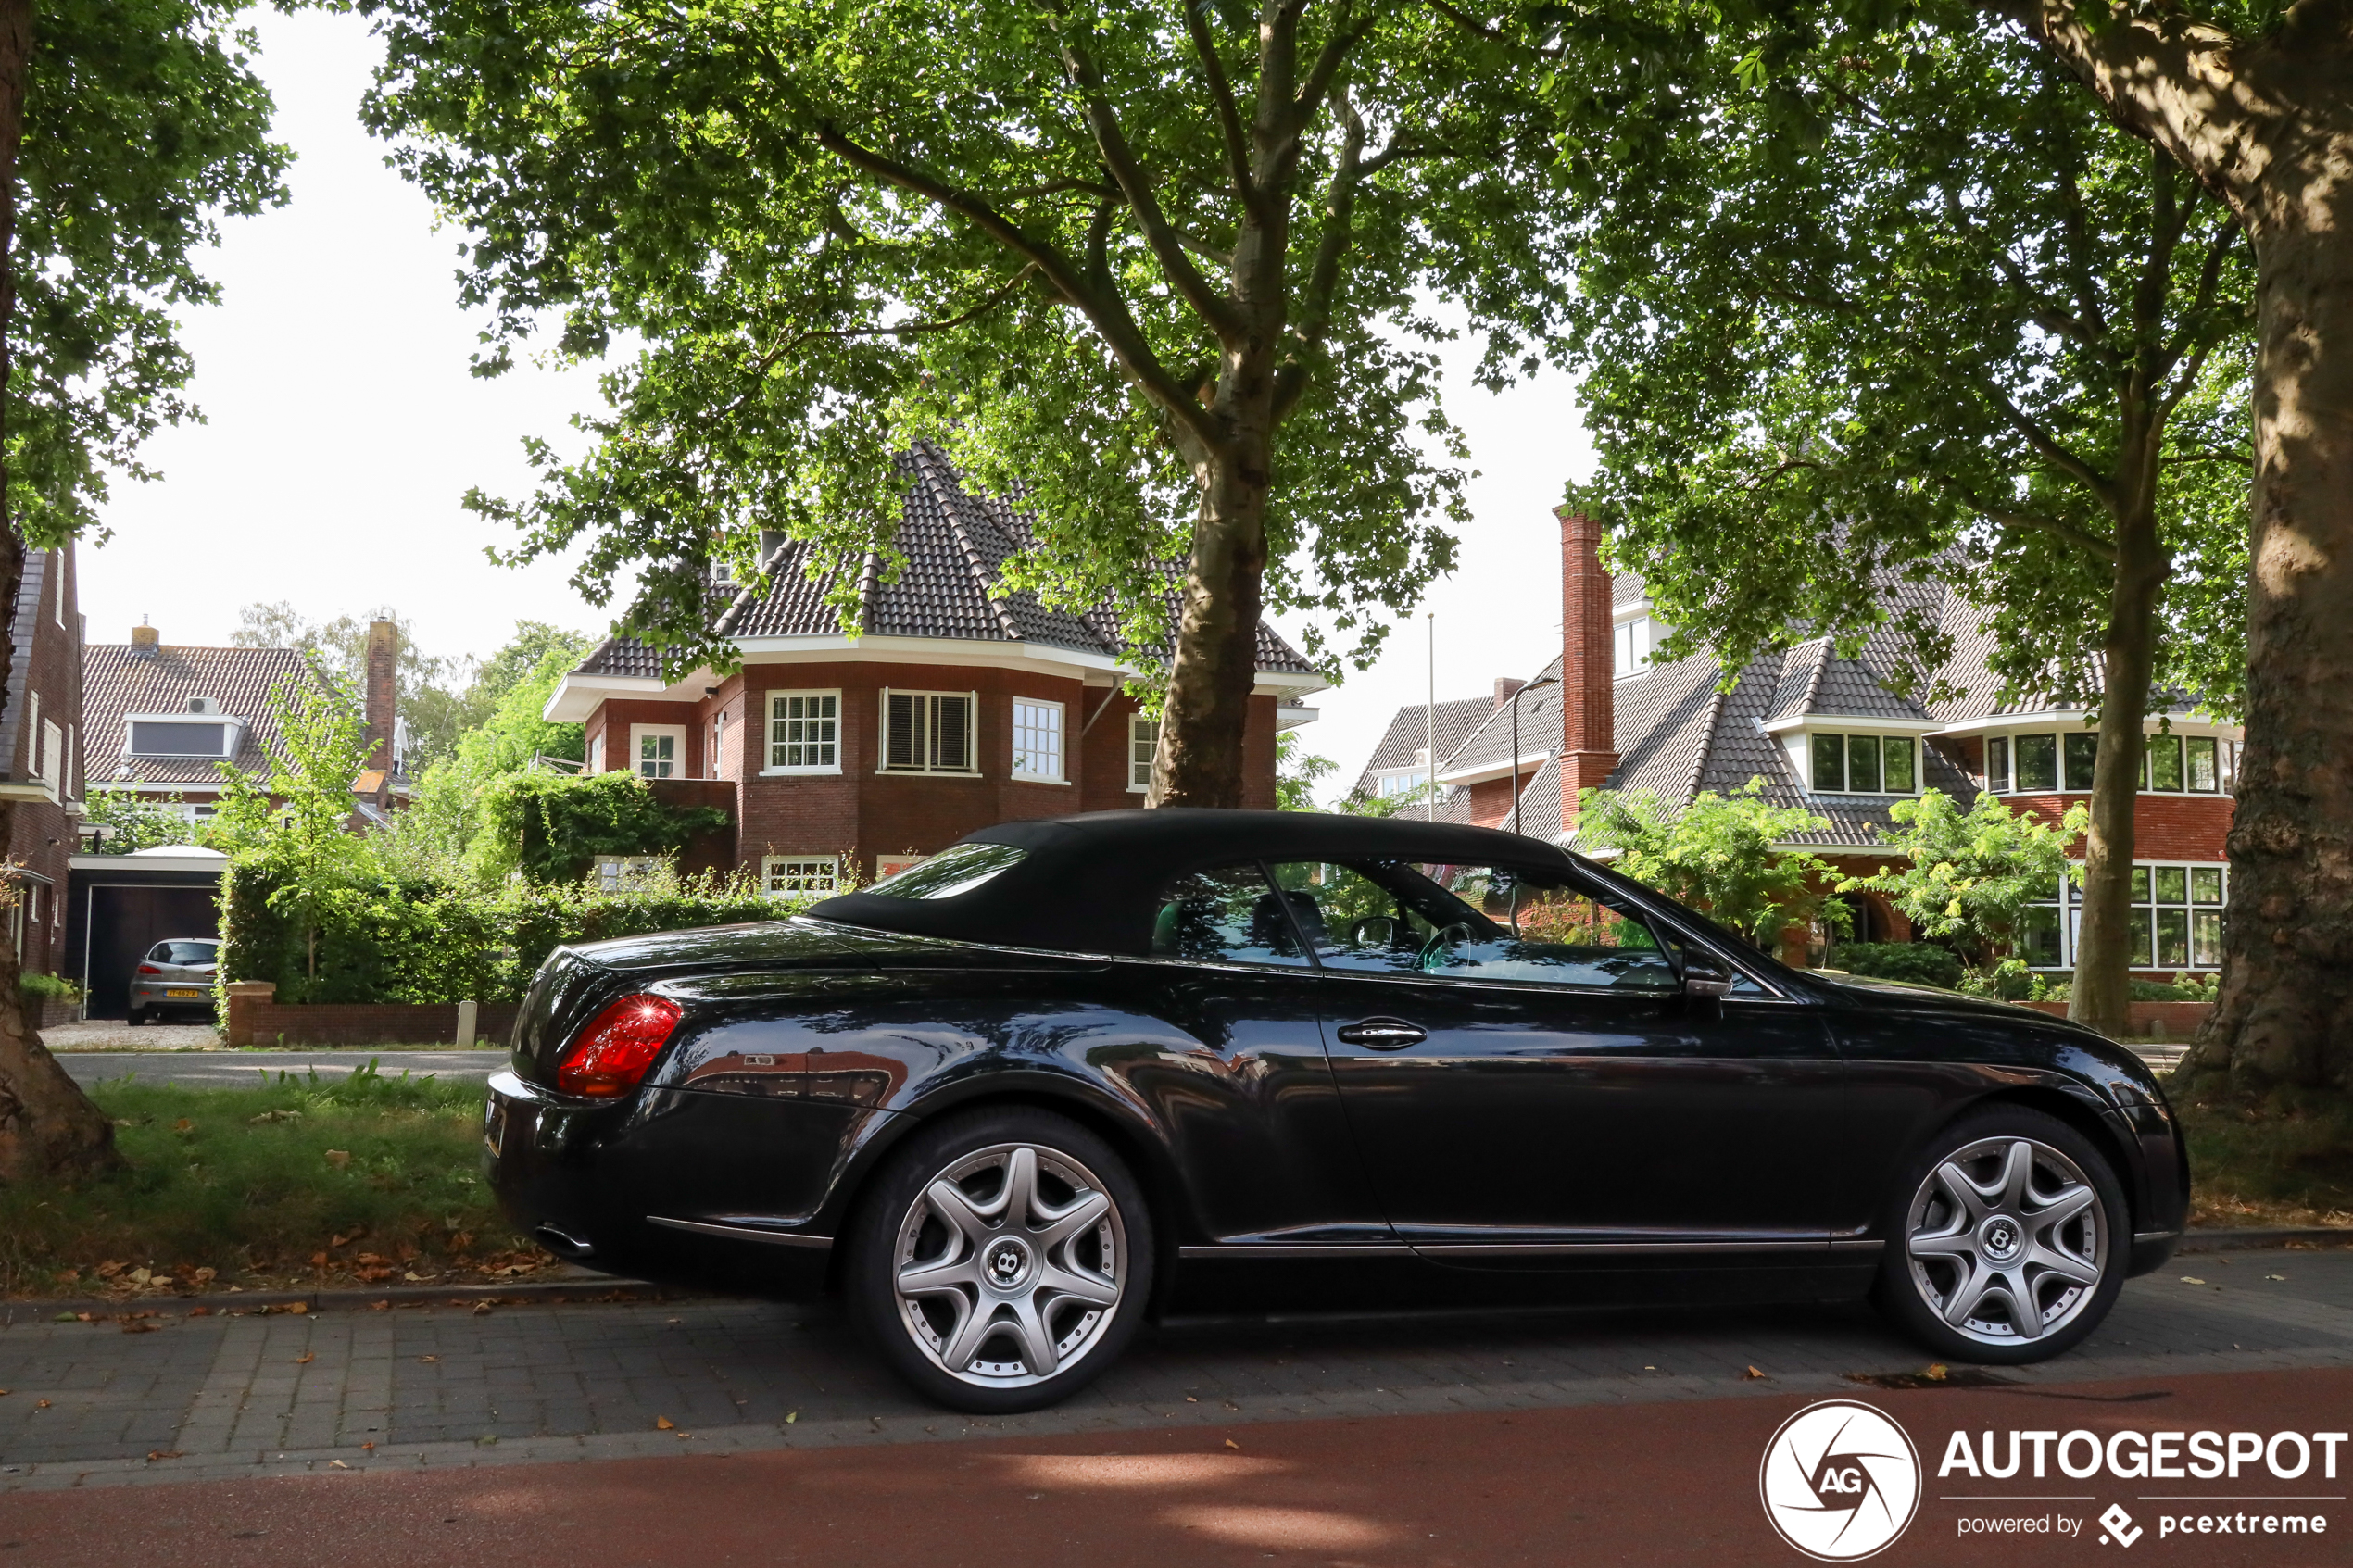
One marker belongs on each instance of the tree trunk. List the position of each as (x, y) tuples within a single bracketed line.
[(1200, 760), (2100, 996), (47, 1126), (2285, 1014)]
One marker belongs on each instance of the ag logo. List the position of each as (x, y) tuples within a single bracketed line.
[(1840, 1481)]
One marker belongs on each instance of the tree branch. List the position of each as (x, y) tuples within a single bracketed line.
[(1220, 97), (1323, 277), (2036, 522), (2043, 442), (1120, 158), (995, 297)]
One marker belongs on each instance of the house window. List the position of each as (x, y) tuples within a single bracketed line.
[(32, 738), (619, 874), (658, 751), (789, 876), (2203, 775), (2082, 750), (1997, 764), (172, 738), (804, 732), (718, 745), (928, 731), (891, 865), (1143, 744), (1037, 740), (2164, 766), (1864, 764), (1632, 641), (2037, 762), (597, 753), (2175, 921), (53, 755)]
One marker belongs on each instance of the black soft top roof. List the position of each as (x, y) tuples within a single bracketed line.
[(1090, 884)]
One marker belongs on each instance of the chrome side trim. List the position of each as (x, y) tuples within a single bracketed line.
[(2142, 1238), (1234, 1249), (1876, 1244), (745, 1233), (1611, 1249)]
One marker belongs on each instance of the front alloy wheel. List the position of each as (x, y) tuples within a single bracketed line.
[(2008, 1246), (1015, 1263)]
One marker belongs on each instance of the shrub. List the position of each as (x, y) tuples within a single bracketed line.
[(385, 940), (48, 988), (552, 827), (1920, 964)]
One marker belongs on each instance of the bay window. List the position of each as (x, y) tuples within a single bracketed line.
[(2173, 921), (1849, 764)]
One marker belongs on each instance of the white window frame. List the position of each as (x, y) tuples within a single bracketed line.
[(2070, 902), (972, 733), (774, 867), (1137, 724), (1630, 642), (60, 555), (2226, 749), (640, 734), (771, 766), (596, 752), (53, 747), (618, 873), (1060, 773), (1801, 746), (717, 755)]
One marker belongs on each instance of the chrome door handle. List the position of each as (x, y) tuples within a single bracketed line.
[(1382, 1034)]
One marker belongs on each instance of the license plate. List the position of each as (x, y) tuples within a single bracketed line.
[(494, 1128), (190, 995)]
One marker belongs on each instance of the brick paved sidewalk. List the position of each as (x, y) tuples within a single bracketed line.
[(438, 1387)]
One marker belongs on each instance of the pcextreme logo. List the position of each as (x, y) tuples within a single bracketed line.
[(1840, 1481)]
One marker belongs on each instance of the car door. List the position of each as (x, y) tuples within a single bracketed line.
[(1527, 1080), (1237, 1077)]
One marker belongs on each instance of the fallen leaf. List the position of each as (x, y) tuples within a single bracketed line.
[(429, 1358), (318, 1259), (380, 1306), (41, 1404), (183, 1125), (141, 1276), (1937, 1373), (791, 1416), (338, 1158), (482, 1309), (663, 1423), (2191, 1279), (200, 1311), (1232, 1443), (337, 1464), (298, 1308), (135, 1326), (306, 1357), (1752, 1373), (370, 1447), (1190, 1400), (155, 1454), (2276, 1276)]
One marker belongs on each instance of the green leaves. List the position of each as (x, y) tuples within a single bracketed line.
[(1717, 854), (142, 127), (819, 229), (1972, 874), (552, 827)]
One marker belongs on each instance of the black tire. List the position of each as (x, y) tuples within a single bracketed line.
[(991, 1279), (136, 1019), (1941, 1253)]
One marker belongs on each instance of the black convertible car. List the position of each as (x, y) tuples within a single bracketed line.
[(1071, 1072)]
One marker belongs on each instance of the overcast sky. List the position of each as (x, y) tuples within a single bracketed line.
[(342, 431)]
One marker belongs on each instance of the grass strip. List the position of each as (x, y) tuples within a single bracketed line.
[(2284, 1158), (306, 1182)]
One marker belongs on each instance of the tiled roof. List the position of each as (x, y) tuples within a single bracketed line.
[(119, 680), (1489, 744), (1626, 588), (955, 546), (1409, 731)]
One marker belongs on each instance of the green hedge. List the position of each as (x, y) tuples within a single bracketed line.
[(1922, 963), (388, 941)]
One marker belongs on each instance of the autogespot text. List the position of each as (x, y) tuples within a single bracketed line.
[(2145, 1456)]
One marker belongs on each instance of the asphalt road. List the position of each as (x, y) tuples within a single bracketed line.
[(246, 1070)]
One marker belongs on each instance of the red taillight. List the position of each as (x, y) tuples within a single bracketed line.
[(620, 1043), (149, 968)]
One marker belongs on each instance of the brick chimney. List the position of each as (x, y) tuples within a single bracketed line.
[(1505, 687), (144, 640), (382, 706), (1589, 707)]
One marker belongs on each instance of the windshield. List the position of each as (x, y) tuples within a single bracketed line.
[(960, 868)]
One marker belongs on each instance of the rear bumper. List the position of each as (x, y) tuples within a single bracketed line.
[(158, 994), (689, 1189)]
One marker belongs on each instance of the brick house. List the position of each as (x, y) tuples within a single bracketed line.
[(845, 758), (1833, 735), (41, 741), (162, 717)]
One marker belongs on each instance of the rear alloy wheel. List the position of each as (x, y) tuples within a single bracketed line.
[(1003, 1261), (2009, 1248)]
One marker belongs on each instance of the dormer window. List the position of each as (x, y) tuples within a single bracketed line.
[(182, 734), (1852, 764), (1632, 641)]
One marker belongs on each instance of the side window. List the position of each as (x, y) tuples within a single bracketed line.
[(1229, 915), (1474, 922)]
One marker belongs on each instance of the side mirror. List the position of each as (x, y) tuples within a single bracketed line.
[(1705, 975)]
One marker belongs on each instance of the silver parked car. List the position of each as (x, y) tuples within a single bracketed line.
[(178, 975)]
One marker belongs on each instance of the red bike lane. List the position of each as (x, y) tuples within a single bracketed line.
[(1650, 1483)]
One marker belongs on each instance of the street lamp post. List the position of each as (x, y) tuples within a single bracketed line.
[(1539, 681)]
